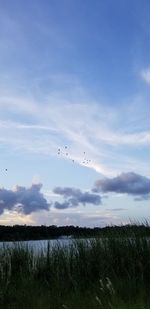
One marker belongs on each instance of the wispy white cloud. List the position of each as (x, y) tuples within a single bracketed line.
[(109, 136), (145, 75)]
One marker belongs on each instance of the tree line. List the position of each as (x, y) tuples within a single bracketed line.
[(27, 232)]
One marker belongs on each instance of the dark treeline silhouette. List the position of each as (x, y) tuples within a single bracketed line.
[(25, 232)]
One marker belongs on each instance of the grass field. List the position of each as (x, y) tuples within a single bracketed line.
[(112, 272)]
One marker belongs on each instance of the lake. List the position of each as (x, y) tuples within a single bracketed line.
[(39, 245)]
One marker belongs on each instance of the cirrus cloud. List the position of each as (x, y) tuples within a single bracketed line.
[(145, 75)]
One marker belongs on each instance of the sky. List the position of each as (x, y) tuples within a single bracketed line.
[(74, 112)]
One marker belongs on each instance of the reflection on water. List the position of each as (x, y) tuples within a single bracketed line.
[(38, 245), (42, 245)]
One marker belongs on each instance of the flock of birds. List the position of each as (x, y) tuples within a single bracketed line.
[(66, 153)]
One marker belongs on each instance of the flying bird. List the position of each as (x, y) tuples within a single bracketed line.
[(85, 160)]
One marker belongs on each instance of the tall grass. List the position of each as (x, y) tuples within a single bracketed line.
[(112, 272)]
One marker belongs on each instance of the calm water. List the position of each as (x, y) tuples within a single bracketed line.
[(38, 245), (41, 245)]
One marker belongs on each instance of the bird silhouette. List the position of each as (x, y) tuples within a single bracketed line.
[(85, 160)]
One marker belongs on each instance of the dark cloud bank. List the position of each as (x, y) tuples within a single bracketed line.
[(129, 183), (73, 197), (28, 200), (126, 183), (25, 200)]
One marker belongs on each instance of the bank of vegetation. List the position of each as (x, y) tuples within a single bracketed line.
[(103, 272), (27, 232)]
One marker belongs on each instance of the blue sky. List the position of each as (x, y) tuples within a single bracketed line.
[(77, 74)]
